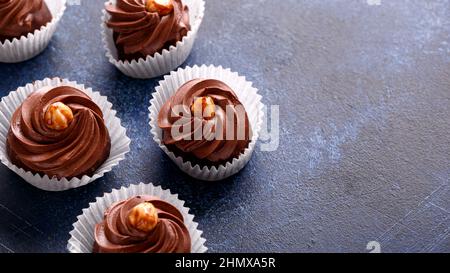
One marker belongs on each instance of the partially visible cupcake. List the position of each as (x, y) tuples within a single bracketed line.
[(59, 132), (143, 224), (148, 38), (26, 27), (142, 28), (204, 122), (139, 218), (20, 17)]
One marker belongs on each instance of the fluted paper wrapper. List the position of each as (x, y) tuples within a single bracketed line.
[(246, 93), (160, 63), (82, 235), (120, 143), (27, 47)]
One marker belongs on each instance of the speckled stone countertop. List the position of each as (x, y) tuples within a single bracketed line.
[(364, 155)]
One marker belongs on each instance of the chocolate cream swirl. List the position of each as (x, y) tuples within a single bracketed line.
[(73, 152), (139, 33), (218, 150), (116, 234), (20, 17)]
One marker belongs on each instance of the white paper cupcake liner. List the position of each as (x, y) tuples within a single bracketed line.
[(120, 143), (247, 94), (160, 63), (82, 235), (27, 47)]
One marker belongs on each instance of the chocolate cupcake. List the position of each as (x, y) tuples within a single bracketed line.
[(139, 218), (20, 17), (148, 38), (58, 132), (142, 28), (207, 120), (58, 135), (143, 224), (26, 27), (211, 126)]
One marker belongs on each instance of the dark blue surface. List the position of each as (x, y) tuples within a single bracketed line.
[(364, 95)]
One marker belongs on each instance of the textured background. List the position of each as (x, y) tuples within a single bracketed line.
[(364, 95)]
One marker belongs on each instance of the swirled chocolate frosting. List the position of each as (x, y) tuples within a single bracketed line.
[(116, 234), (204, 150), (73, 152), (20, 17), (139, 33)]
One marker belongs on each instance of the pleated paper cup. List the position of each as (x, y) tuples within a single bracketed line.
[(120, 143), (82, 234), (27, 47), (160, 63), (247, 95)]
